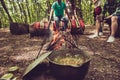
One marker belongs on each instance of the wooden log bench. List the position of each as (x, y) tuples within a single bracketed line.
[(19, 28), (39, 29)]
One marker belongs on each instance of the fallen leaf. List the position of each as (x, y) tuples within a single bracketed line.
[(14, 68), (7, 76)]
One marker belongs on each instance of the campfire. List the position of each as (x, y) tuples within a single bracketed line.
[(62, 40)]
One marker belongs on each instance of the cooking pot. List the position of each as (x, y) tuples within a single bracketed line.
[(69, 72)]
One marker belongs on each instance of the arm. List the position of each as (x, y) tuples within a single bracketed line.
[(108, 17)]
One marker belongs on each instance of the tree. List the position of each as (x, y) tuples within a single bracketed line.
[(6, 10)]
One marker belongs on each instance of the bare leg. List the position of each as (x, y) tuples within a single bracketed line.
[(97, 27), (100, 30), (98, 24), (114, 27)]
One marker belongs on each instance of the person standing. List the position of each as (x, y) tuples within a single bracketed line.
[(97, 18)]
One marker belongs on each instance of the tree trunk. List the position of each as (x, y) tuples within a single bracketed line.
[(13, 10), (0, 21), (28, 11), (0, 24), (20, 8), (6, 10), (49, 7), (79, 10), (24, 13)]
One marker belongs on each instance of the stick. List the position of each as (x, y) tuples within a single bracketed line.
[(78, 23), (43, 42), (51, 46)]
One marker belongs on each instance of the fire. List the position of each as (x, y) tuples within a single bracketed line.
[(62, 40), (56, 36)]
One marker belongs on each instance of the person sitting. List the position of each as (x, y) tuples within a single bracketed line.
[(110, 7), (58, 7), (76, 22), (115, 18)]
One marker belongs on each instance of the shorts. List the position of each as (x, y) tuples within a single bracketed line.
[(108, 21), (97, 11)]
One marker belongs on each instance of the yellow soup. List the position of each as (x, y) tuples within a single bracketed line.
[(69, 60)]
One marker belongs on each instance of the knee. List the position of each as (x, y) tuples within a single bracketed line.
[(114, 19), (98, 18), (65, 19), (56, 19)]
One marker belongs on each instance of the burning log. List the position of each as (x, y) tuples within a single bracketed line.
[(19, 28), (62, 40)]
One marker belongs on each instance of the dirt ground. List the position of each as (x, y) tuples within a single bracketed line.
[(20, 50)]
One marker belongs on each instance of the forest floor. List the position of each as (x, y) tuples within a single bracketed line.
[(20, 50)]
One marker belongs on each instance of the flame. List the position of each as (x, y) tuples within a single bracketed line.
[(62, 43)]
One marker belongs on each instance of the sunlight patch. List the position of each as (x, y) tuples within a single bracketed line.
[(24, 56), (3, 38)]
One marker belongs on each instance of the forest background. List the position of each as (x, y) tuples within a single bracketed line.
[(29, 11)]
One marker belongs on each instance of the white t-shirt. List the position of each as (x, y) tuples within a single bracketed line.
[(97, 3)]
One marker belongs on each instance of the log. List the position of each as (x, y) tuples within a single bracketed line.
[(39, 29), (19, 28)]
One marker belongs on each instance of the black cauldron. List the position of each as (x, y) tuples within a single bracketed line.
[(68, 72)]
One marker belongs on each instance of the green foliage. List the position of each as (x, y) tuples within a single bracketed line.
[(7, 76), (14, 68), (30, 11), (10, 75), (87, 11)]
